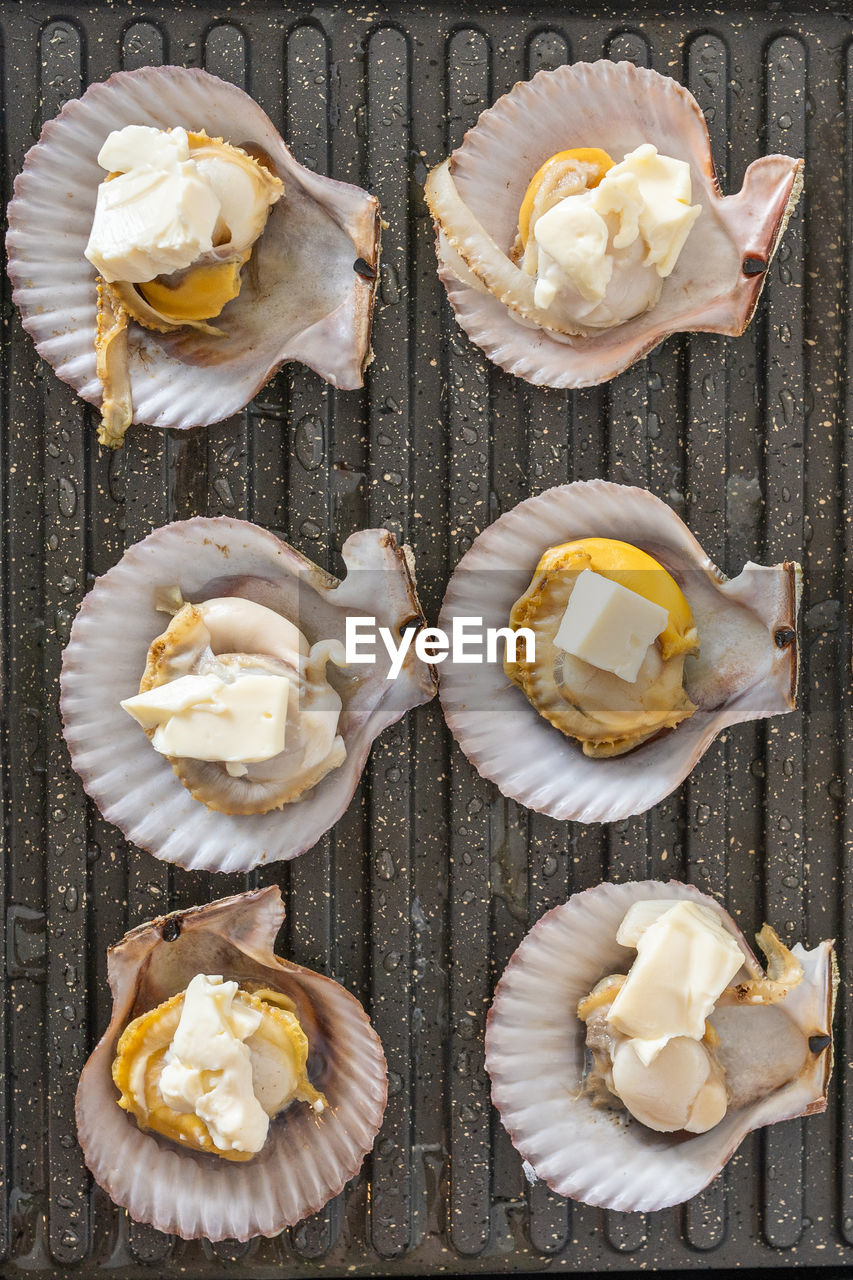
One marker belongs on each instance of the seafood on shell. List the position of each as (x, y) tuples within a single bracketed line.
[(160, 1065), (192, 293), (745, 668), (232, 637), (309, 1153), (476, 194), (214, 560), (607, 714), (776, 1049), (306, 292)]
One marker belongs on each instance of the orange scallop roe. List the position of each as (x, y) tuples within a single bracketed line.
[(598, 160)]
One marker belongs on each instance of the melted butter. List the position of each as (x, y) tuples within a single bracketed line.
[(155, 215), (670, 1071), (211, 1065), (660, 190), (604, 250), (169, 199), (207, 1068)]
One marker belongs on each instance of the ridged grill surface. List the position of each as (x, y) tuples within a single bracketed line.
[(419, 896)]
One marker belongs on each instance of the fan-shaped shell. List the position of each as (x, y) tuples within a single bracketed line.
[(301, 297), (535, 1058), (615, 106), (306, 1160), (132, 784), (746, 668)]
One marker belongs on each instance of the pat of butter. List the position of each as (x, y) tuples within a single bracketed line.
[(645, 197), (207, 1068), (151, 222), (138, 144), (158, 215), (169, 202), (205, 718), (609, 626), (574, 236), (685, 960)]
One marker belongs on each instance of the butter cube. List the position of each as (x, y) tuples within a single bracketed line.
[(685, 960), (206, 718), (609, 626)]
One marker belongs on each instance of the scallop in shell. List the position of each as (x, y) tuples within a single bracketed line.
[(746, 667), (475, 197), (302, 297), (778, 1065), (232, 638), (606, 713), (307, 1157), (215, 559)]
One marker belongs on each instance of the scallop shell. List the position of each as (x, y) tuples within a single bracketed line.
[(616, 106), (535, 1058), (134, 786), (314, 235), (746, 668), (306, 1160)]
